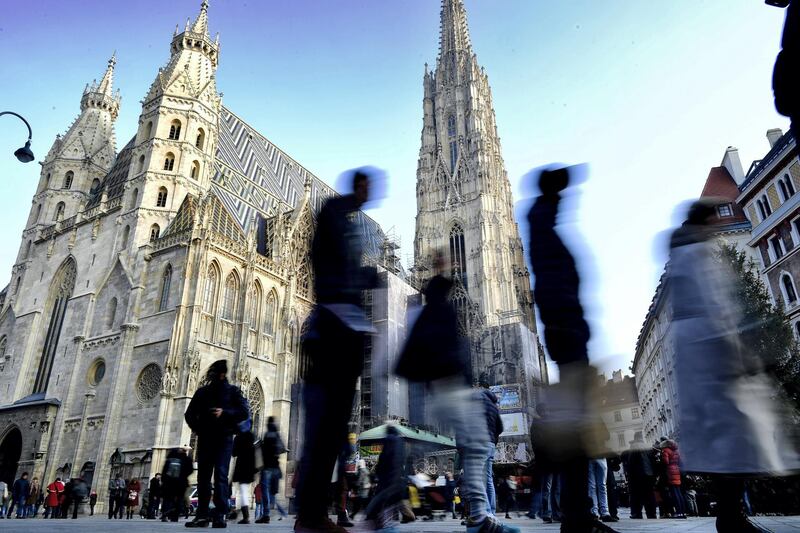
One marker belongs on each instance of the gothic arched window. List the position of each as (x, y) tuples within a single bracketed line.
[(175, 130), (169, 161), (789, 290), (458, 254), (95, 186), (140, 166), (148, 131), (269, 315), (166, 281), (155, 230), (254, 309), (229, 297), (210, 291), (786, 187), (161, 199), (451, 126), (111, 313), (195, 172), (68, 180), (28, 249), (201, 138), (255, 398), (59, 216), (134, 198), (60, 292), (38, 213)]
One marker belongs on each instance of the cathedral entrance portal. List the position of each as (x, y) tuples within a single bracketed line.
[(10, 452)]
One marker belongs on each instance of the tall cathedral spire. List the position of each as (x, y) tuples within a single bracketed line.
[(454, 32), (107, 82)]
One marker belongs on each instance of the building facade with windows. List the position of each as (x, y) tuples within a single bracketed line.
[(139, 268), (620, 410), (653, 363), (769, 197)]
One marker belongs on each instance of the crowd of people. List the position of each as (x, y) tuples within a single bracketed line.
[(26, 497)]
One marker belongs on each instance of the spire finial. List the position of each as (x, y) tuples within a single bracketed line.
[(454, 30), (106, 83), (201, 23)]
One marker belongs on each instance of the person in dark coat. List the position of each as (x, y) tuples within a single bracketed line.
[(335, 345), (272, 448), (214, 414), (613, 462), (154, 496), (391, 479), (566, 334), (640, 472), (245, 470), (494, 425), (175, 480), (92, 501), (19, 495), (80, 491)]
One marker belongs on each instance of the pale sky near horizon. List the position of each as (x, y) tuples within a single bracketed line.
[(648, 94)]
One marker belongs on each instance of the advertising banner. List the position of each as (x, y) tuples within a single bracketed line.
[(509, 397)]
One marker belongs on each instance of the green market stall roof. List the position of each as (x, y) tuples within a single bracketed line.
[(379, 433)]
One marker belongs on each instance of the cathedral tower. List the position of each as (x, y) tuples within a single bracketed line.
[(464, 201), (177, 136)]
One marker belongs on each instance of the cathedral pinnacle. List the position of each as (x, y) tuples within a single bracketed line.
[(201, 23), (107, 82), (454, 35)]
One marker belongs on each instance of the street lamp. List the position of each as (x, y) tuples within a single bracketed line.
[(24, 154)]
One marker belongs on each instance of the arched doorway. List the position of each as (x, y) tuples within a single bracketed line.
[(10, 451)]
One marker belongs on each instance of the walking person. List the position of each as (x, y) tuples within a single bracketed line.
[(543, 476), (65, 500), (670, 458), (19, 495), (54, 492), (391, 481), (335, 345), (571, 440), (80, 491), (505, 495), (134, 490), (34, 492), (154, 496), (245, 469), (436, 354), (115, 489), (494, 425), (363, 486), (730, 420), (450, 493), (214, 414), (613, 462), (640, 473), (598, 491), (259, 507), (92, 501), (272, 448), (175, 480)]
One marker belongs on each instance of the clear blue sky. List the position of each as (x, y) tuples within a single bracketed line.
[(649, 94)]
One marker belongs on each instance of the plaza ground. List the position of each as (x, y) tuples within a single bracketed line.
[(99, 524)]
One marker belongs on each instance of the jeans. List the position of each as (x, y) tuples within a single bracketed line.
[(213, 457), (541, 497), (463, 408), (490, 492), (598, 470), (268, 499)]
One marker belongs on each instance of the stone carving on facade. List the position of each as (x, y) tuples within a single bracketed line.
[(149, 383), (169, 381), (243, 375), (71, 426), (102, 342), (192, 370), (95, 423)]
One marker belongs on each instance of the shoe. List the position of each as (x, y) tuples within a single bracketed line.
[(608, 518), (547, 520), (263, 520), (219, 524), (739, 524), (198, 522), (323, 525), (245, 516), (490, 525)]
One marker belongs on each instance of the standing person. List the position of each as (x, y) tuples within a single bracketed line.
[(54, 492), (175, 480), (34, 492), (245, 469), (544, 475), (4, 496), (598, 491), (65, 500), (272, 448), (613, 463), (494, 425), (259, 509), (640, 473), (338, 323), (391, 481), (154, 496), (670, 458), (116, 486), (92, 501), (80, 491), (436, 354), (19, 494), (450, 493), (134, 490), (730, 422), (566, 334), (214, 414), (39, 503)]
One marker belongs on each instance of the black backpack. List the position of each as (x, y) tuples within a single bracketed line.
[(172, 468)]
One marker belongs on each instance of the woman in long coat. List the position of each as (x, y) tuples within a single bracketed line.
[(729, 422), (245, 470)]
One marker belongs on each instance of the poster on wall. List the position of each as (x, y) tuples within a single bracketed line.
[(509, 397), (514, 424)]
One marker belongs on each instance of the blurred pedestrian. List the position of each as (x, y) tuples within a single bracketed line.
[(363, 486), (598, 490), (65, 500), (154, 496), (570, 440), (80, 491), (785, 79), (729, 418), (544, 475), (19, 495), (272, 448), (450, 493), (134, 490), (34, 492), (4, 497), (175, 482), (116, 497), (505, 496), (640, 473), (391, 481), (92, 501), (245, 469), (494, 425), (338, 323), (613, 462), (214, 414)]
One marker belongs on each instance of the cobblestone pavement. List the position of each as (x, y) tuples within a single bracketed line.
[(97, 524)]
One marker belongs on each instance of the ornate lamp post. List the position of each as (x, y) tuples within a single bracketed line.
[(24, 154)]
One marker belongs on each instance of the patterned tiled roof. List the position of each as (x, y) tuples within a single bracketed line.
[(114, 181)]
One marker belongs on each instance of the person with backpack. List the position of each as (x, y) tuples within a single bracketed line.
[(272, 448), (245, 469), (175, 480), (214, 414)]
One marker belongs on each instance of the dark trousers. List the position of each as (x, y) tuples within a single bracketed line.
[(337, 355), (172, 505), (76, 503), (613, 497), (213, 458), (641, 493), (152, 506), (676, 496)]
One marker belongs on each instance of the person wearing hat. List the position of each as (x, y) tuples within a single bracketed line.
[(214, 414)]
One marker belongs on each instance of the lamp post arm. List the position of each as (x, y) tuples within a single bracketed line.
[(30, 132)]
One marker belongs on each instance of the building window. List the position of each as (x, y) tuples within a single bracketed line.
[(175, 130), (96, 372), (125, 234), (458, 254), (59, 216), (68, 180), (634, 412), (60, 292), (725, 210), (786, 187), (154, 232), (169, 161), (195, 172), (140, 167), (254, 308), (210, 290), (161, 199), (148, 132), (229, 297), (789, 292), (776, 247), (621, 439), (166, 281), (111, 313), (95, 186), (134, 198), (617, 416), (201, 139), (269, 315), (453, 156)]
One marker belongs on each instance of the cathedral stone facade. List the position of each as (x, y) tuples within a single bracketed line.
[(139, 268), (465, 210)]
